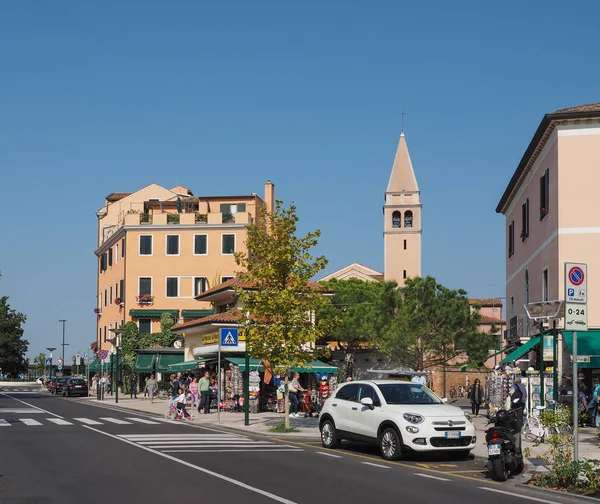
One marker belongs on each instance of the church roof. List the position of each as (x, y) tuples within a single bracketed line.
[(402, 178), (355, 270)]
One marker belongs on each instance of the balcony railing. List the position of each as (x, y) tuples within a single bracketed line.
[(145, 299)]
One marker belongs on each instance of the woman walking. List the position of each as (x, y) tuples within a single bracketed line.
[(150, 385), (476, 397)]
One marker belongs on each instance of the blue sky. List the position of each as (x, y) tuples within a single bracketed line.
[(221, 96)]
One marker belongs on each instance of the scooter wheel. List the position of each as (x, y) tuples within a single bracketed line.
[(499, 470)]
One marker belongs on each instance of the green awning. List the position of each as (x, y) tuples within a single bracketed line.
[(95, 365), (588, 344), (187, 365), (152, 313), (164, 360), (255, 364), (522, 350), (509, 348), (316, 366), (195, 314), (144, 363)]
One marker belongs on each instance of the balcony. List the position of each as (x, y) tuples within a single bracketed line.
[(145, 299), (191, 218)]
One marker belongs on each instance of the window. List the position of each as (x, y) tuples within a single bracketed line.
[(396, 219), (200, 285), (110, 256), (145, 286), (368, 391), (525, 220), (172, 287), (145, 244), (116, 291), (404, 274), (227, 208), (526, 287), (103, 262), (511, 239), (545, 285), (111, 292), (225, 278), (404, 244), (512, 306), (544, 194), (200, 244), (228, 244), (241, 207), (348, 392), (100, 305), (408, 219), (172, 244), (99, 335), (122, 289), (105, 334), (117, 253), (123, 247), (105, 297), (145, 325)]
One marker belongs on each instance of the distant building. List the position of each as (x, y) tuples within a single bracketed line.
[(550, 205), (159, 248)]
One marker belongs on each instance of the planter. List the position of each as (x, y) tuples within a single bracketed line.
[(201, 217), (172, 218)]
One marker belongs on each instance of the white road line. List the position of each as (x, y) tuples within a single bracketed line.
[(158, 446), (513, 494), (142, 420), (87, 421), (376, 465), (20, 411), (29, 421), (329, 455), (4, 423), (197, 468), (59, 421), (432, 477), (220, 451), (180, 436), (115, 421), (202, 442), (32, 406)]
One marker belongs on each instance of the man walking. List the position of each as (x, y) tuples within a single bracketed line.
[(204, 389), (132, 386)]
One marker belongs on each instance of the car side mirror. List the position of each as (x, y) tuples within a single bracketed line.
[(367, 401)]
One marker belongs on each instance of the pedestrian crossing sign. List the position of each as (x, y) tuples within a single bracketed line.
[(228, 336)]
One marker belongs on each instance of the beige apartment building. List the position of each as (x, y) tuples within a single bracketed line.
[(158, 249), (552, 218)]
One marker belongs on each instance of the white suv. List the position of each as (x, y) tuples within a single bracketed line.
[(396, 415)]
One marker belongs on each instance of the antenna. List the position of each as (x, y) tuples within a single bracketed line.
[(402, 114)]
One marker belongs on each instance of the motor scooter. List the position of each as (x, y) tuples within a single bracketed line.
[(505, 457)]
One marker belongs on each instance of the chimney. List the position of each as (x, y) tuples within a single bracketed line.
[(270, 196)]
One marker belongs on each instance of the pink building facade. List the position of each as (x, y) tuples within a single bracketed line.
[(552, 217)]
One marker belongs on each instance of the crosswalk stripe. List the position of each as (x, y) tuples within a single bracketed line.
[(220, 451), (29, 421), (87, 421), (115, 421), (4, 423), (59, 421), (137, 437), (160, 446), (142, 420)]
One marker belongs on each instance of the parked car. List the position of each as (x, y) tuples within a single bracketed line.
[(398, 417), (75, 386), (59, 385), (50, 384)]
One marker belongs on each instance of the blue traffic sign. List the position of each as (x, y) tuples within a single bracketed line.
[(85, 355), (59, 367), (228, 336), (48, 362)]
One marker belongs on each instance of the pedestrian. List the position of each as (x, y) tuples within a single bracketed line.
[(419, 378), (180, 378), (194, 392), (517, 402), (180, 401), (582, 404), (476, 396), (204, 389), (145, 387), (595, 407), (348, 379), (175, 386), (293, 388), (150, 385), (133, 386)]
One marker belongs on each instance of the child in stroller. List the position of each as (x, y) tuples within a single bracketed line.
[(309, 408)]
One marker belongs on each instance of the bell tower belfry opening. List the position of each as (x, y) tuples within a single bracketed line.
[(402, 220)]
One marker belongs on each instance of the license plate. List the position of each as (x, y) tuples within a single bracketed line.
[(494, 449), (453, 435), (77, 386)]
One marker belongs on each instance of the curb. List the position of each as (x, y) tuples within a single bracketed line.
[(297, 436), (550, 491)]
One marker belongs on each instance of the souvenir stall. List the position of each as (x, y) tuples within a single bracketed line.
[(533, 386), (497, 386)]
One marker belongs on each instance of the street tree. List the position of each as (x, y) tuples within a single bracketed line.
[(276, 292), (364, 310), (40, 363), (13, 346), (432, 326)]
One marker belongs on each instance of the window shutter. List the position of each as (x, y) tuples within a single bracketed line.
[(225, 208)]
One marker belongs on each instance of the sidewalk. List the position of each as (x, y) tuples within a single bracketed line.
[(260, 423)]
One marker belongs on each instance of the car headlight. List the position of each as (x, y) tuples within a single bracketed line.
[(413, 418), (468, 416)]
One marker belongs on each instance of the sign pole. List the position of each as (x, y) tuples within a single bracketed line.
[(219, 382), (575, 405)]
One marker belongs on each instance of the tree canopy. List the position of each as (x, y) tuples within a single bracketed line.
[(13, 346), (432, 326), (132, 340)]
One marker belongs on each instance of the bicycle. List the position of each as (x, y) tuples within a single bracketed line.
[(173, 413), (535, 432)]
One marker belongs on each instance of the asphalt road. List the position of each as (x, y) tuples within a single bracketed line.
[(56, 449)]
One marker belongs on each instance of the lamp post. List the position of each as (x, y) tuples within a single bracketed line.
[(115, 342), (51, 349), (63, 322)]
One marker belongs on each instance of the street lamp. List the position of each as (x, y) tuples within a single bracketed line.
[(51, 349), (115, 342), (63, 322)]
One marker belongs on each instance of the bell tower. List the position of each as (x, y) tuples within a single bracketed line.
[(402, 220)]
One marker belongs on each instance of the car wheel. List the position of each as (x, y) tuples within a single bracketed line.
[(390, 444), (329, 438)]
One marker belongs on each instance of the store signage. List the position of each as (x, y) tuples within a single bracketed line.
[(548, 347), (213, 338)]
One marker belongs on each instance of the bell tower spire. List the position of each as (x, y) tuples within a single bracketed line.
[(402, 219)]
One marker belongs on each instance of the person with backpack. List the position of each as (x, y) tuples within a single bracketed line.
[(517, 401), (595, 407)]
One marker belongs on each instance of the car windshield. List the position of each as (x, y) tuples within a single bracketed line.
[(78, 381), (408, 393)]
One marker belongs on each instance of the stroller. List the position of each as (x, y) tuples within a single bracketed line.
[(309, 408)]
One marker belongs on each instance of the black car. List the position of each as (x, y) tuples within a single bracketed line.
[(75, 386), (59, 385)]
